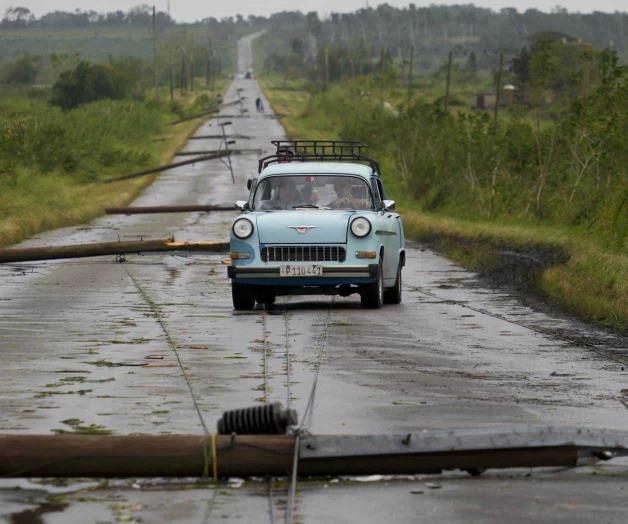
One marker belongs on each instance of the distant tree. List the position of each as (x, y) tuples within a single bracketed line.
[(18, 16)]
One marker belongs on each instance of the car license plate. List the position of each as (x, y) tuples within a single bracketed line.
[(300, 271)]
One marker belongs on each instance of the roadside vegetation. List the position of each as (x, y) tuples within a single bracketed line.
[(540, 181)]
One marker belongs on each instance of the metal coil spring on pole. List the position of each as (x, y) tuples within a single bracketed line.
[(269, 419)]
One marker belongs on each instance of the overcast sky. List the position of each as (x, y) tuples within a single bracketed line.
[(189, 10)]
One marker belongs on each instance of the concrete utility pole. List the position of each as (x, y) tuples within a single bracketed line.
[(448, 80), (410, 74), (498, 85), (30, 254)]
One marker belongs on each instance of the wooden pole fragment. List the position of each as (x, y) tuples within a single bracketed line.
[(143, 455)]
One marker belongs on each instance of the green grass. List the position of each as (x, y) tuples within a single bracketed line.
[(52, 163), (590, 279)]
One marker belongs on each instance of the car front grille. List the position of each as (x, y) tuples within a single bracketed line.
[(307, 253)]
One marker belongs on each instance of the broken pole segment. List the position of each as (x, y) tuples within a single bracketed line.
[(138, 210), (25, 456), (30, 254), (167, 167)]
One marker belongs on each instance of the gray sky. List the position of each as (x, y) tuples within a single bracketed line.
[(189, 10)]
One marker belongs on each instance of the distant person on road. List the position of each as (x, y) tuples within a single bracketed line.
[(259, 104)]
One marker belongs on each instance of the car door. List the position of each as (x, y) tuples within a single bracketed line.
[(387, 230)]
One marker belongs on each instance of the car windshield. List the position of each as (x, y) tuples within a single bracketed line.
[(313, 191)]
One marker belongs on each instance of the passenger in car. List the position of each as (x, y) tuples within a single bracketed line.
[(344, 197)]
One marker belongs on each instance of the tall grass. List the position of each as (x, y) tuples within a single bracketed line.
[(459, 177), (52, 161)]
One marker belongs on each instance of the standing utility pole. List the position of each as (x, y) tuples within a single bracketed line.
[(326, 67), (410, 74), (155, 79), (498, 85), (381, 78), (448, 80)]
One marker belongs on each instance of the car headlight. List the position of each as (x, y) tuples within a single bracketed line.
[(243, 228), (360, 227)]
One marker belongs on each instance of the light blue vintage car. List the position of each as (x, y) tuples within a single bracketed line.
[(317, 222)]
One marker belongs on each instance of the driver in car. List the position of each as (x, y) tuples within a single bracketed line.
[(287, 194)]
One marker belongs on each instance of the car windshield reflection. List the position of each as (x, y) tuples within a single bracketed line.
[(290, 192)]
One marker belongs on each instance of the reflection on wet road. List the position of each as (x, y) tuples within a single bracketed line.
[(88, 346)]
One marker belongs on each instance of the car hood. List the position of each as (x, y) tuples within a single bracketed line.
[(325, 227)]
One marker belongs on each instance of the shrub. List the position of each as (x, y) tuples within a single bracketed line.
[(22, 71), (87, 83)]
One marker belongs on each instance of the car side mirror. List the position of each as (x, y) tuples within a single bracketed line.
[(389, 204), (242, 205), (249, 184)]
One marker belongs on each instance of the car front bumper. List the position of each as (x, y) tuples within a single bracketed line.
[(333, 275)]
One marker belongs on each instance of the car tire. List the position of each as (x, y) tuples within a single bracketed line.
[(372, 295), (243, 297), (393, 295)]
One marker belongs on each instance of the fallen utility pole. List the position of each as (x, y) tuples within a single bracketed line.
[(428, 451), (167, 167), (205, 137), (29, 254), (234, 102), (214, 151), (138, 210), (194, 117)]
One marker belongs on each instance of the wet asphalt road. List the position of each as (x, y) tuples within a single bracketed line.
[(92, 343)]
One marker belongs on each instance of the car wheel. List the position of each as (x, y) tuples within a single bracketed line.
[(372, 295), (243, 297), (393, 295)]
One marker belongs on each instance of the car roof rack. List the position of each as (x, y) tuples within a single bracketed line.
[(317, 150)]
